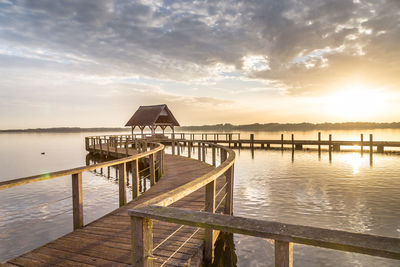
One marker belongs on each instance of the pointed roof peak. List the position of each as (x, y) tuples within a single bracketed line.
[(153, 115)]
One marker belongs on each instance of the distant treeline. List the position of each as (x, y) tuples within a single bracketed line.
[(305, 126), (227, 127), (64, 130)]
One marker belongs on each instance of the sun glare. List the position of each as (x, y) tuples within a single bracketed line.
[(356, 102)]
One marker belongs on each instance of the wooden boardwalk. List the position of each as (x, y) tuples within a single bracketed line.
[(106, 241)]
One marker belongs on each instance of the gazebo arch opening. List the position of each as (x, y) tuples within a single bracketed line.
[(153, 117)]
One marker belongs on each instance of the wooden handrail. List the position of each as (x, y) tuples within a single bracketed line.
[(52, 175), (380, 246), (178, 193)]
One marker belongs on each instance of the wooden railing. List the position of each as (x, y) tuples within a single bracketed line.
[(283, 234), (156, 152), (142, 241)]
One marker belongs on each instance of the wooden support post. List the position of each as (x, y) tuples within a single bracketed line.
[(209, 233), (283, 254), (199, 151), (362, 145), (87, 143), (292, 141), (281, 141), (262, 145), (178, 148), (108, 147), (319, 143), (142, 242), (126, 148), (252, 141), (122, 184), (152, 170), (214, 158), (173, 147), (330, 148), (371, 147), (189, 149), (77, 201), (380, 149), (101, 147), (230, 139), (229, 174), (203, 150), (135, 178)]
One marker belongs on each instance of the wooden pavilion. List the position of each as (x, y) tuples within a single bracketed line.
[(153, 117)]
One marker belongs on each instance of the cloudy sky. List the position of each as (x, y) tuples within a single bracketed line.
[(92, 63)]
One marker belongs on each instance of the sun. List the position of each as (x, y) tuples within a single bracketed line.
[(355, 102)]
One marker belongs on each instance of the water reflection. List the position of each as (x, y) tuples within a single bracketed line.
[(225, 252)]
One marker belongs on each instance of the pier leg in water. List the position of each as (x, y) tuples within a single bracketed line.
[(319, 145), (371, 149), (330, 148), (282, 142), (362, 145)]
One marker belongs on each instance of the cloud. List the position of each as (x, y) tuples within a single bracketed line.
[(301, 47)]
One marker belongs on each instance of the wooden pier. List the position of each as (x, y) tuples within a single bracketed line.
[(176, 221)]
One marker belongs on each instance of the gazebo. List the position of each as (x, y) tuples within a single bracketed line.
[(152, 117)]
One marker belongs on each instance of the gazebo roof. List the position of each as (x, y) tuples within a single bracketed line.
[(157, 115)]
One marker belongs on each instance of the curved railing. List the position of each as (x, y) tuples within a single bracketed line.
[(156, 152)]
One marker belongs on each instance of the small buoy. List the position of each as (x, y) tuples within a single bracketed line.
[(43, 153)]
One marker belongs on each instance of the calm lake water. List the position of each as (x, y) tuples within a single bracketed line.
[(346, 193)]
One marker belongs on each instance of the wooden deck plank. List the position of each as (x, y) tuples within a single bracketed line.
[(106, 241)]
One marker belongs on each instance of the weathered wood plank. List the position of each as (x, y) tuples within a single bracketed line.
[(334, 239)]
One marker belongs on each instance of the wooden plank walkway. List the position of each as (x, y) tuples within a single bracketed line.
[(106, 241)]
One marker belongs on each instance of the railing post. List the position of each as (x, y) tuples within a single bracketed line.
[(209, 233), (214, 160), (135, 178), (283, 254), (203, 150), (77, 201), (199, 151), (229, 174), (122, 184), (152, 170), (142, 242)]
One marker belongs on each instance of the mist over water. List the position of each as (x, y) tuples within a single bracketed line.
[(346, 193)]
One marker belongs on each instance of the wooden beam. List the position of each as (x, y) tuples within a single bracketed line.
[(152, 170), (135, 178), (229, 175), (122, 184), (209, 234), (77, 201), (142, 242), (386, 247), (283, 254)]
